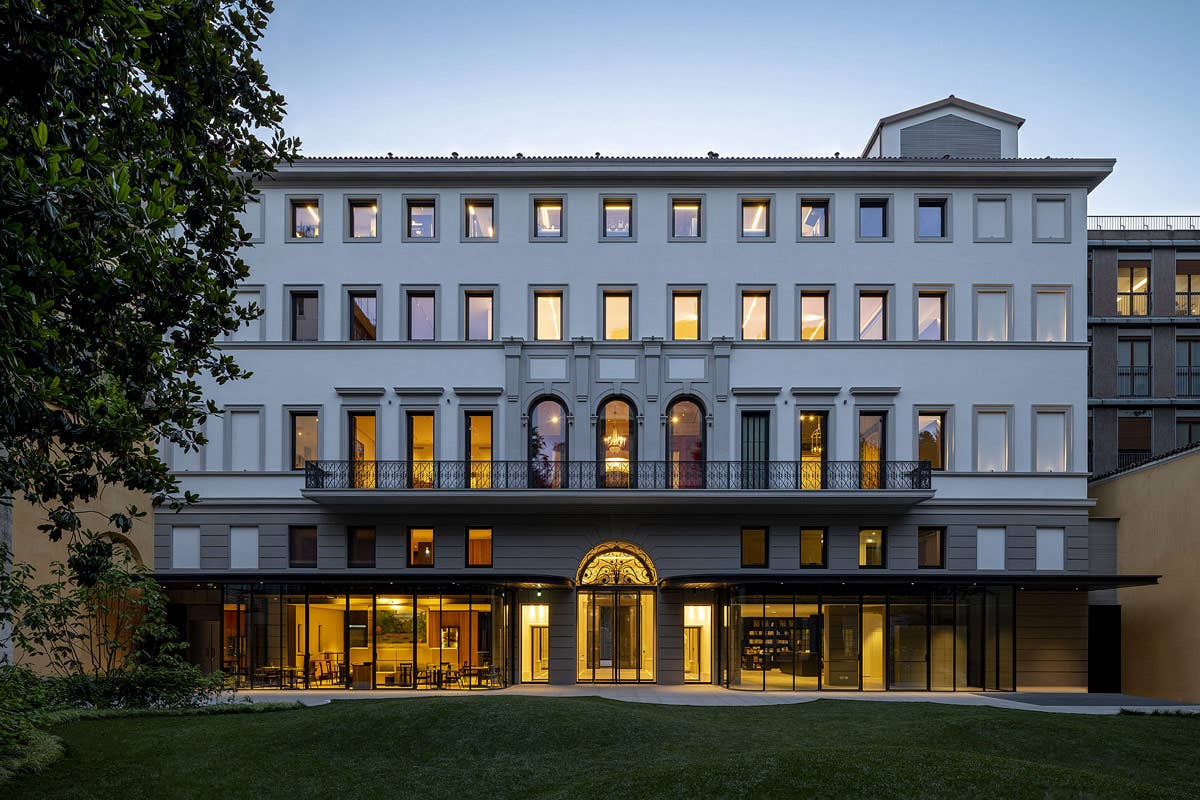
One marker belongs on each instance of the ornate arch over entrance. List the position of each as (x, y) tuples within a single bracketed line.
[(616, 564)]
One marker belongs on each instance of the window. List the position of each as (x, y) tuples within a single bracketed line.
[(872, 316), (931, 548), (685, 316), (814, 316), (616, 443), (812, 548), (686, 444), (420, 219), (362, 449), (1050, 223), (813, 453), (1187, 367), (185, 548), (1133, 290), (757, 222), (305, 437), (992, 219), (548, 454), (874, 221), (933, 219), (871, 553), (478, 316), (989, 548), (754, 547), (1050, 439), (479, 547), (362, 219), (991, 441), (302, 547), (616, 219), (305, 317), (1050, 313), (422, 319), (243, 547), (931, 316), (479, 448), (547, 316), (304, 219), (1133, 440), (687, 219), (931, 441), (618, 316), (872, 448), (421, 450), (549, 219), (1187, 431), (1051, 549), (420, 547), (1133, 367), (1187, 288), (245, 439), (250, 330), (363, 318), (756, 317), (479, 215), (991, 315), (815, 219), (360, 547)]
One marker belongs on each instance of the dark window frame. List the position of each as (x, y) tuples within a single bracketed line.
[(491, 546), (765, 294), (883, 295), (883, 536), (293, 561), (943, 415), (292, 415), (562, 320), (941, 533), (699, 295), (824, 548), (409, 296), (351, 296), (352, 531), (467, 296), (303, 294), (432, 546), (766, 534), (824, 295), (627, 294), (943, 321)]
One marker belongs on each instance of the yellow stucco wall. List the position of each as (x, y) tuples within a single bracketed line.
[(1158, 534)]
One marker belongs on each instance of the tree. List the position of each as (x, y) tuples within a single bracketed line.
[(131, 132)]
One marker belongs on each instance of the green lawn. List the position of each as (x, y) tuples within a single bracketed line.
[(491, 747)]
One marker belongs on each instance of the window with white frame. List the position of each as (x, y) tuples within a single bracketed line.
[(991, 315), (185, 548), (991, 441), (1050, 438), (989, 548), (1051, 549), (243, 547), (1050, 313)]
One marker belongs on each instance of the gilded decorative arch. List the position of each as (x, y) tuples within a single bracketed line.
[(616, 564)]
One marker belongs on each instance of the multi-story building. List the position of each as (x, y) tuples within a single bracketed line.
[(769, 423), (1144, 325)]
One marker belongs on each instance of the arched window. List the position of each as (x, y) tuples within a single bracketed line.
[(685, 444), (616, 444), (547, 444)]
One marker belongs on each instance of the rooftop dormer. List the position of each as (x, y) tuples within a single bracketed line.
[(950, 128)]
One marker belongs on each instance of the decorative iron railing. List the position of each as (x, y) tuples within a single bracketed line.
[(592, 475)]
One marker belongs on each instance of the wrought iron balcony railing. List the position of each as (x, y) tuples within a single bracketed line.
[(640, 475), (1133, 381)]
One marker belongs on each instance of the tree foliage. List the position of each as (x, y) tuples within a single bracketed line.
[(131, 132)]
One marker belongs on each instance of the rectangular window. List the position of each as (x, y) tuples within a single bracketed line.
[(302, 547), (991, 315), (756, 316), (872, 448), (814, 316), (989, 548), (931, 441), (1133, 440), (479, 547), (812, 548), (873, 218), (756, 218), (1050, 433), (871, 550), (185, 548), (618, 314), (420, 218), (1051, 549), (618, 218), (420, 547), (1187, 288), (362, 218), (421, 450), (685, 316), (249, 330), (478, 315), (547, 316), (931, 548), (872, 316), (305, 437), (814, 218), (991, 441), (479, 449), (931, 316), (992, 219), (1133, 290), (754, 547), (245, 434), (1187, 431), (548, 218), (1133, 367), (1050, 311), (422, 320), (813, 453), (305, 218), (305, 317), (362, 449), (480, 218), (243, 547), (363, 316), (686, 218), (1050, 219), (932, 220), (360, 547)]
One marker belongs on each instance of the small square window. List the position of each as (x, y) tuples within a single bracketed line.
[(548, 316), (933, 218), (360, 548), (363, 316), (479, 215), (757, 220), (420, 547), (548, 218), (420, 219), (302, 547), (304, 220), (754, 547), (873, 222), (617, 219), (931, 316), (685, 322), (687, 219), (422, 319), (478, 313), (756, 316), (871, 551), (931, 548), (479, 547), (618, 316), (814, 316), (362, 219), (815, 218), (812, 548)]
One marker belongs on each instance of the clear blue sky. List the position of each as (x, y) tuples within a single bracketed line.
[(789, 78)]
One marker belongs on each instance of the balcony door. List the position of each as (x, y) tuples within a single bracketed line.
[(756, 426), (362, 449), (422, 472)]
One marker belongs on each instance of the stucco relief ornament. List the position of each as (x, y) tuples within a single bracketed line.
[(617, 566)]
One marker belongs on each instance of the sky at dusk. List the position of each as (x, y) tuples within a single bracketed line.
[(1101, 79)]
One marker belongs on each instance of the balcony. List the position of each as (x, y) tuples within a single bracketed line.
[(1187, 381), (1128, 458), (1133, 304), (1133, 381), (1187, 304)]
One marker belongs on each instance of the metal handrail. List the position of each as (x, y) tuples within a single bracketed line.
[(1143, 222), (1133, 381), (1187, 381), (1187, 304)]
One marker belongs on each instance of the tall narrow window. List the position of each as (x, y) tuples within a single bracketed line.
[(302, 547), (1187, 431), (813, 450), (872, 448), (756, 449), (754, 547), (991, 315), (479, 547), (1133, 439), (685, 322), (617, 431), (685, 445), (686, 218), (931, 316), (305, 221), (872, 316), (363, 317), (421, 218), (931, 548), (932, 222), (871, 551), (1051, 313), (756, 316), (479, 449), (1187, 288), (617, 222), (480, 217), (362, 449), (478, 315), (1133, 367), (873, 218), (360, 547), (756, 218), (991, 441), (1050, 552), (548, 455), (420, 547), (812, 548), (548, 218), (814, 218), (305, 437), (422, 467), (1187, 367), (422, 320), (814, 316), (618, 314), (931, 442), (1050, 434), (362, 218), (547, 316), (1133, 290), (305, 317)]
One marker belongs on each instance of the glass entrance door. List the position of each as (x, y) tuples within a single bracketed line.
[(615, 633)]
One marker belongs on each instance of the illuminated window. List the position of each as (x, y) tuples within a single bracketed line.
[(479, 547), (478, 313), (931, 548), (305, 437), (873, 218), (547, 444), (547, 316), (420, 547), (814, 218), (812, 548), (931, 442), (420, 219), (872, 448), (362, 218), (685, 316), (617, 432), (363, 307), (687, 218), (618, 314), (422, 308), (814, 316), (686, 445), (757, 219), (548, 218), (871, 551), (933, 218), (362, 449), (360, 547), (304, 221), (479, 448), (1133, 290), (754, 547), (617, 222), (813, 449), (756, 318), (872, 316), (931, 316), (422, 467), (480, 218)]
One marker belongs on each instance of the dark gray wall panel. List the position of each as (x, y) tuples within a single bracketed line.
[(950, 135)]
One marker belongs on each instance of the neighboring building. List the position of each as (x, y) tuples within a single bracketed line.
[(1160, 637), (1144, 325), (770, 423)]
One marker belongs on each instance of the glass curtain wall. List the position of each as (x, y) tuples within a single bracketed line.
[(615, 636)]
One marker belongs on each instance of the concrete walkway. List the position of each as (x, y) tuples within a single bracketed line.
[(1057, 702)]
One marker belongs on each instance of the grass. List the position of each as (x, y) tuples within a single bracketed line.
[(492, 747)]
